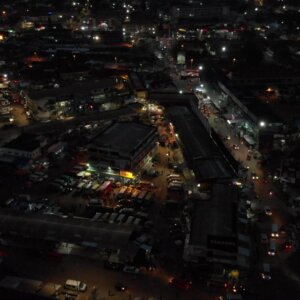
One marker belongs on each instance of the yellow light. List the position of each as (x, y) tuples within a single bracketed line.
[(126, 174), (237, 183), (235, 273)]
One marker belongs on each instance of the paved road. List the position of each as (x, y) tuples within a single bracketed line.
[(145, 285), (283, 274)]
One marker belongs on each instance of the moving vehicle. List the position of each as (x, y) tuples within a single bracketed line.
[(266, 272), (274, 231), (75, 285), (175, 186), (272, 248), (183, 284), (288, 246)]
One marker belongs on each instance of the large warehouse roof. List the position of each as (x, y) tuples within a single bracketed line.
[(69, 229)]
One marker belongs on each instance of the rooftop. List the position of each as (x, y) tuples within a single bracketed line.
[(124, 136), (24, 142), (76, 89), (260, 110), (200, 150), (215, 217), (72, 230)]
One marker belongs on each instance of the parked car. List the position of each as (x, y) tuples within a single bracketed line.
[(268, 211), (75, 285), (131, 269)]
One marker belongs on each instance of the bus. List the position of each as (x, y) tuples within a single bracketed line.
[(146, 184), (142, 195), (122, 191), (149, 198), (105, 188), (274, 231), (135, 194)]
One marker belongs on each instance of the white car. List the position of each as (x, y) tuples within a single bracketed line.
[(75, 285), (131, 269), (268, 211)]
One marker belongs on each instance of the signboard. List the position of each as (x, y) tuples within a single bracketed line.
[(126, 174), (181, 58)]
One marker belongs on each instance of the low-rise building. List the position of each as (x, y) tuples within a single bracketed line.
[(25, 146), (59, 101), (213, 235), (12, 287)]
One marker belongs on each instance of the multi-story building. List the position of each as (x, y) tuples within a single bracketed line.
[(124, 146)]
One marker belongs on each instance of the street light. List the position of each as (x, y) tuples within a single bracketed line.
[(224, 49), (262, 123), (180, 91), (200, 68)]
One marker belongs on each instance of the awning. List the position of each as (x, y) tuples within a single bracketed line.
[(249, 139)]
